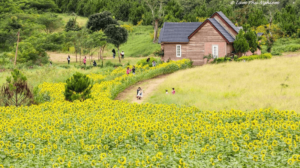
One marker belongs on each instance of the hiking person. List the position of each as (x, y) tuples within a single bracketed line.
[(128, 71), (84, 61), (173, 90), (140, 95), (148, 59), (94, 63), (133, 70), (69, 58), (137, 92), (153, 63), (167, 92), (114, 53), (122, 54), (50, 63)]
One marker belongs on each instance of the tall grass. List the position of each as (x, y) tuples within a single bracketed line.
[(285, 45), (251, 85), (139, 43), (53, 74)]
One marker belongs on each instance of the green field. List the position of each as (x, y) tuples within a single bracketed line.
[(139, 42), (239, 85)]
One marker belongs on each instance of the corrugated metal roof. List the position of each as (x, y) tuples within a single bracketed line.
[(228, 21), (221, 29), (177, 32)]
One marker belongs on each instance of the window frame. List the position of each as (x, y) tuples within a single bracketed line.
[(178, 45), (213, 46)]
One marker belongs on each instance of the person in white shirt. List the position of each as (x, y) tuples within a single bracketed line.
[(122, 54)]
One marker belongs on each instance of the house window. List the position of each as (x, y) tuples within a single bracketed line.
[(178, 50), (215, 51)]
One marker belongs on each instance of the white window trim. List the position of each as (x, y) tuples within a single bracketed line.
[(177, 51), (217, 51)]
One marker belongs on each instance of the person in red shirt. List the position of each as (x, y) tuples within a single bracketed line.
[(173, 90), (84, 61)]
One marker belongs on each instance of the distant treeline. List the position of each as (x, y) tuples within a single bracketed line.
[(180, 10)]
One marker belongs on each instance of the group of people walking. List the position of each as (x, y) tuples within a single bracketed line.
[(122, 54), (84, 61)]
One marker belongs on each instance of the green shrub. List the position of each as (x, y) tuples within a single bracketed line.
[(78, 87), (40, 97), (16, 91), (253, 57), (144, 62), (109, 64), (221, 60)]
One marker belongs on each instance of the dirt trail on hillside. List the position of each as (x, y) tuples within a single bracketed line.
[(148, 86), (62, 57)]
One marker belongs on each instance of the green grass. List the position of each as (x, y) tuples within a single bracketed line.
[(56, 73), (285, 45), (53, 74), (139, 43), (66, 17), (239, 85)]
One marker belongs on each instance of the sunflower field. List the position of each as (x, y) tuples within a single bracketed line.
[(102, 132)]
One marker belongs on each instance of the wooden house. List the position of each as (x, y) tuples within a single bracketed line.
[(195, 40)]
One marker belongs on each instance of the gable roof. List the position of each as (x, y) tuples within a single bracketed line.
[(221, 30), (177, 32), (221, 14)]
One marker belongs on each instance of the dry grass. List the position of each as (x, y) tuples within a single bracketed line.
[(252, 85)]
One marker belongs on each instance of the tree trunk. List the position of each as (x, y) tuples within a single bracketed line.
[(80, 57), (76, 55), (100, 53), (17, 48), (119, 56), (155, 31)]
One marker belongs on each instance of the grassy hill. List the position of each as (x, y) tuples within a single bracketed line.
[(139, 42), (243, 86)]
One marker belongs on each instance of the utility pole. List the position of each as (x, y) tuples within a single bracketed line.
[(17, 48)]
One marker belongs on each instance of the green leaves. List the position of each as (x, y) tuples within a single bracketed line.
[(240, 44), (78, 87)]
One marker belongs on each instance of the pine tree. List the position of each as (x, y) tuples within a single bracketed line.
[(240, 44), (78, 87)]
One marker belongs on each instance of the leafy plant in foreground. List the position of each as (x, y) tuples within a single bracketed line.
[(16, 91)]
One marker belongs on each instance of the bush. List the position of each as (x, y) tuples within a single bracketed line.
[(78, 87), (144, 62), (16, 92), (40, 97), (221, 60), (110, 64), (159, 53), (253, 57)]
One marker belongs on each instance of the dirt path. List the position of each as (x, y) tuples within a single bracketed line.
[(148, 86), (62, 57)]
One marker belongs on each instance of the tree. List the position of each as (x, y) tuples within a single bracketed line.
[(156, 7), (251, 38), (72, 25), (173, 11), (288, 20), (50, 21), (94, 41), (256, 18), (240, 44), (116, 35), (78, 87), (270, 39), (100, 21), (16, 91)]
